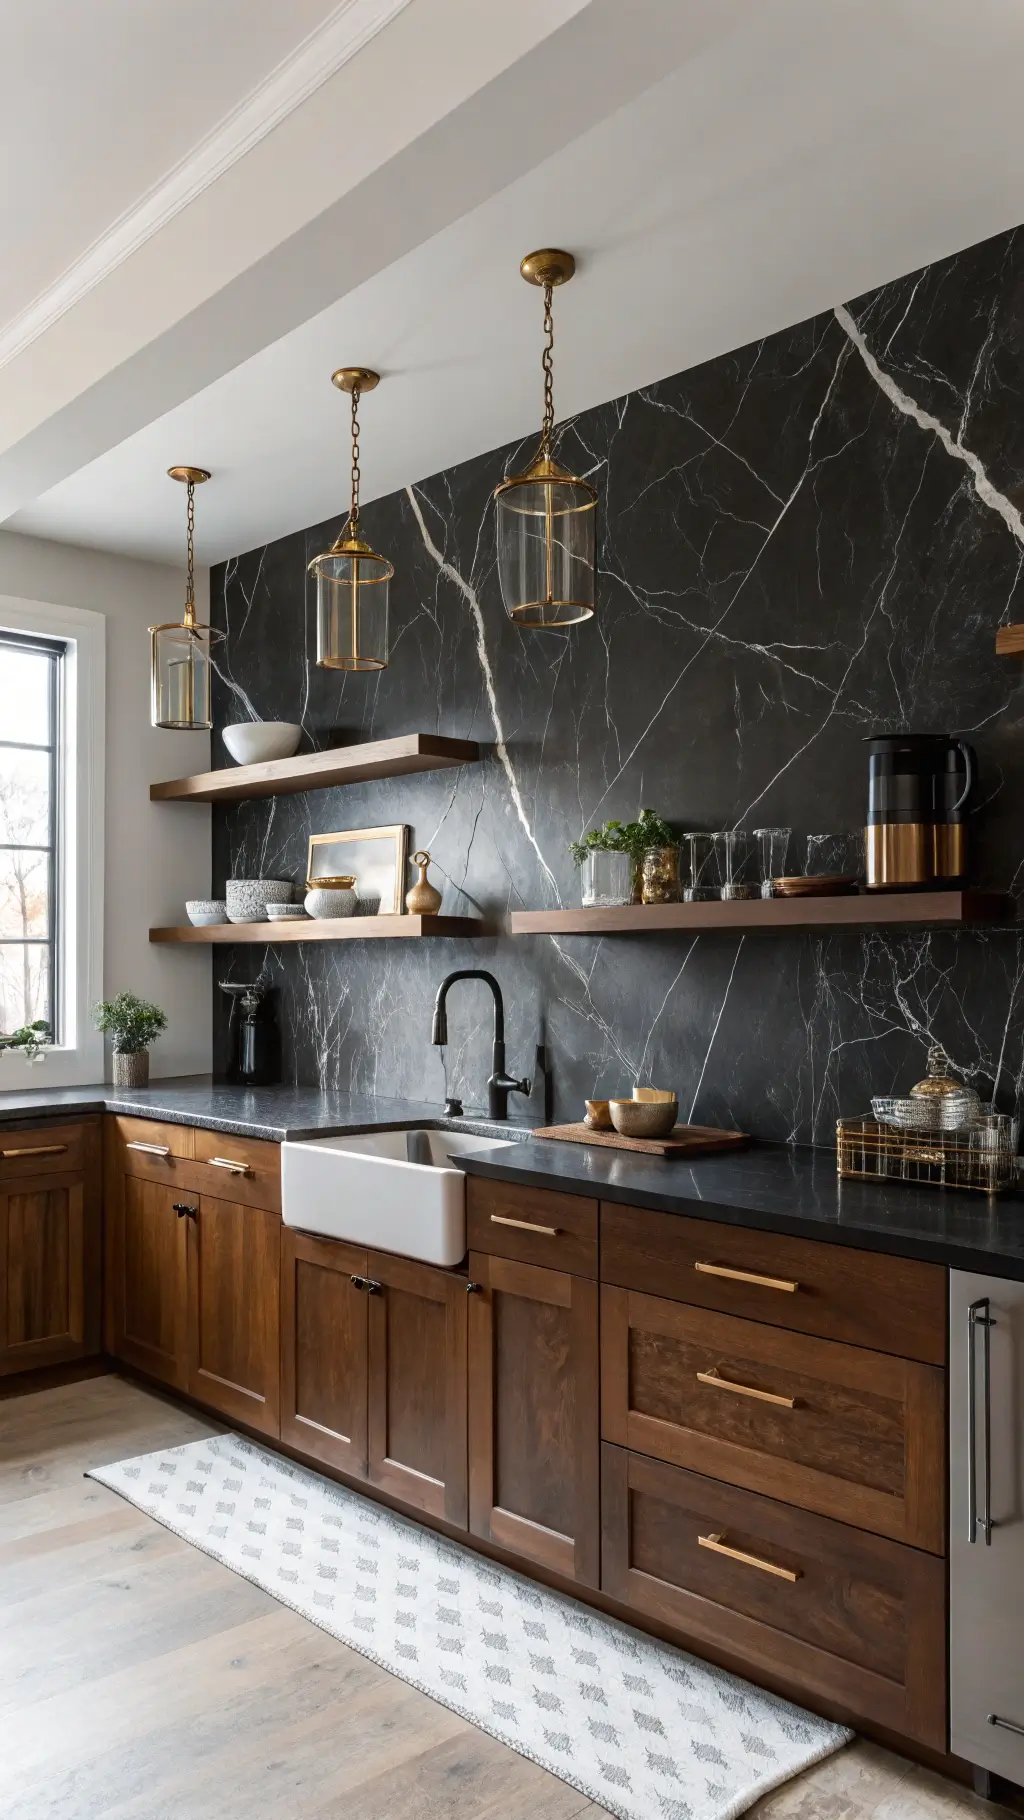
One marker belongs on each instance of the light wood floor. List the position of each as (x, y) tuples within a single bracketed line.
[(139, 1680)]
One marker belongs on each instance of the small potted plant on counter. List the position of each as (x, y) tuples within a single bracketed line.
[(611, 857), (132, 1025), (31, 1041)]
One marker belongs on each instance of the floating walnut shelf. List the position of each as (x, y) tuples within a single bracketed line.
[(879, 910), (326, 929), (399, 757), (1010, 641)]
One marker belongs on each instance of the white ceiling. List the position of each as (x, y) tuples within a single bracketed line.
[(790, 157)]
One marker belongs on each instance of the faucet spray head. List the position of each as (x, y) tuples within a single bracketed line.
[(439, 1027)]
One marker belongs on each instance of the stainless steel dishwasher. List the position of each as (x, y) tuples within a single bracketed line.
[(986, 1551)]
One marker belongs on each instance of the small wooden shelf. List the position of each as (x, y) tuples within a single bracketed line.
[(326, 929), (879, 910), (1010, 641), (399, 757)]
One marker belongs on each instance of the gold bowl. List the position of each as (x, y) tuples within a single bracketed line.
[(643, 1118), (655, 1096), (597, 1115)]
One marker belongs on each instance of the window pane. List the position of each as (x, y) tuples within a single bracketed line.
[(24, 797), (25, 694), (24, 894), (24, 985)]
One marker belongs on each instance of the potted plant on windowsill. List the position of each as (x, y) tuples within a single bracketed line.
[(132, 1025), (611, 856), (31, 1041)]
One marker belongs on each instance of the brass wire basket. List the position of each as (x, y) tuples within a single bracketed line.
[(982, 1155)]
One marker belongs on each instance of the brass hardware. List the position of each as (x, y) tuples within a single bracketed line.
[(150, 1149), (744, 1390), (227, 1162), (36, 1150), (747, 1276), (549, 266), (500, 1219), (717, 1543), (352, 624), (180, 650)]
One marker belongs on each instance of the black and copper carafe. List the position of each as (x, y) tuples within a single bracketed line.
[(918, 788)]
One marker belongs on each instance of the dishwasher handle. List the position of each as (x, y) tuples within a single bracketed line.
[(979, 1315)]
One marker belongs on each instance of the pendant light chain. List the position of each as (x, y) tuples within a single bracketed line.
[(353, 517), (190, 589), (547, 363)]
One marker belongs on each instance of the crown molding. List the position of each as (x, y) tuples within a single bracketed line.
[(339, 38)]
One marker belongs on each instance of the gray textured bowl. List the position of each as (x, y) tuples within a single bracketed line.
[(643, 1118), (325, 901), (247, 898), (202, 911)]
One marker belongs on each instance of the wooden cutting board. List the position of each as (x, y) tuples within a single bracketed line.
[(682, 1140)]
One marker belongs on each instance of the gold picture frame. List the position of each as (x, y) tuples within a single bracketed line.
[(374, 858)]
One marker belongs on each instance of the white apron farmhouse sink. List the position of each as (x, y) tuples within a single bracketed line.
[(366, 1190)]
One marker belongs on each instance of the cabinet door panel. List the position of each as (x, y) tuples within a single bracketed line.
[(323, 1350), (233, 1311), (417, 1385), (533, 1414), (43, 1245), (146, 1277)]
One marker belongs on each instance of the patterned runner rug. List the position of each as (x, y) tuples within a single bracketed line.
[(647, 1731)]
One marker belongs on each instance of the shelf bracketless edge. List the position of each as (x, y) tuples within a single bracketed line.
[(407, 753), (326, 929), (907, 909), (1010, 641)]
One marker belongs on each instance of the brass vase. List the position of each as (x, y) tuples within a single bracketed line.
[(424, 899)]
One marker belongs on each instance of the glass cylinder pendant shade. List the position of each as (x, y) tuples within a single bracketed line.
[(352, 606), (546, 545), (181, 674)]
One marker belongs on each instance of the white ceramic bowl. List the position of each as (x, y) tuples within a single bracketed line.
[(326, 900), (247, 898), (252, 742), (205, 910)]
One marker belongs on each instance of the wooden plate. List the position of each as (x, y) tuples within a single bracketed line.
[(829, 884)]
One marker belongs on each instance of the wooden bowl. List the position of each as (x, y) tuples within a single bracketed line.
[(597, 1115), (642, 1118)]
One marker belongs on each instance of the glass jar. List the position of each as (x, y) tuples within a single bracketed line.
[(774, 847), (736, 865), (607, 879), (659, 875), (702, 881)]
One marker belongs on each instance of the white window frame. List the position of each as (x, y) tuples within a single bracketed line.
[(78, 1058)]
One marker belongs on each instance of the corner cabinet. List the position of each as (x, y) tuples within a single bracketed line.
[(50, 1244)]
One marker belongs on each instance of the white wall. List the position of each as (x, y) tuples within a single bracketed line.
[(157, 854)]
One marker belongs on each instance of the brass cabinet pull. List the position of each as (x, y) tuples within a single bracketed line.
[(36, 1150), (747, 1276), (501, 1219), (228, 1162), (150, 1149), (718, 1545), (744, 1390)]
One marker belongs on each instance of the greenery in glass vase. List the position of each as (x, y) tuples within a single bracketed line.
[(31, 1040), (130, 1022), (625, 837)]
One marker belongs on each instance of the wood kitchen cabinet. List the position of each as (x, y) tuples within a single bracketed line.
[(146, 1247), (324, 1328), (234, 1310), (50, 1245)]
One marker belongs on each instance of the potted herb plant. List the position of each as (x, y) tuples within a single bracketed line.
[(31, 1041), (132, 1026), (610, 857)]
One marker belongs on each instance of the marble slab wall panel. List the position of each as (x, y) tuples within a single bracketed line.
[(802, 542)]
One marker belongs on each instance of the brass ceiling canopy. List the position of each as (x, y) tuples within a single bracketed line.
[(545, 514), (351, 578), (180, 671)]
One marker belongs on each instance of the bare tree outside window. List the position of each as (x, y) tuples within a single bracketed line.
[(30, 694)]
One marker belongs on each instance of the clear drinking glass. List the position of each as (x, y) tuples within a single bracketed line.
[(774, 843), (607, 879), (736, 865), (702, 881), (835, 855)]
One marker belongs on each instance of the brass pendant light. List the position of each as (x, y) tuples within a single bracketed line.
[(351, 579), (180, 654), (546, 516)]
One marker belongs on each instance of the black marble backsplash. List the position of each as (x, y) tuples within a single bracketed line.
[(802, 542)]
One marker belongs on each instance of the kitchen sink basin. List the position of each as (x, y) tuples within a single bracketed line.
[(393, 1190)]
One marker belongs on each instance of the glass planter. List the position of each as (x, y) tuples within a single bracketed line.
[(607, 879), (659, 875)]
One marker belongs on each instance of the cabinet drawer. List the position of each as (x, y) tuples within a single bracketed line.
[(835, 1429), (40, 1150), (857, 1621), (151, 1148), (532, 1226), (891, 1304), (246, 1170)]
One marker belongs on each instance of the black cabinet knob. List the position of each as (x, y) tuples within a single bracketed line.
[(183, 1210), (358, 1282), (474, 1288)]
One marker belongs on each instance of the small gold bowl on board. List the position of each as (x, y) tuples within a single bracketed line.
[(655, 1096), (643, 1118), (597, 1115)]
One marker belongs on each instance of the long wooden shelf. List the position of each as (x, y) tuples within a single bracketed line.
[(398, 757), (326, 929), (879, 910), (1010, 641)]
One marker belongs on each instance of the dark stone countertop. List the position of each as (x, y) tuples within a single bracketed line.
[(785, 1190)]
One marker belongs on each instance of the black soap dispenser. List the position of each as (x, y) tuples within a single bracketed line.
[(254, 1040)]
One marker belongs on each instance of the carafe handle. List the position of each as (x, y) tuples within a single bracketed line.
[(968, 752)]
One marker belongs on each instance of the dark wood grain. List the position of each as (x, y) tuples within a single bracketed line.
[(179, 1140), (567, 1235), (865, 1441), (401, 756), (35, 1150), (234, 1311), (1010, 641), (417, 1438), (878, 910), (863, 1624), (260, 1186), (533, 1414), (890, 1304), (146, 1248), (324, 1350)]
